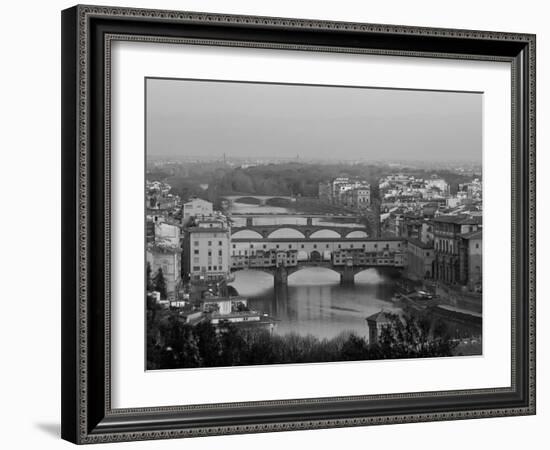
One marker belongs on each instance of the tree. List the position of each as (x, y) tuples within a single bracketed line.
[(232, 343), (149, 278), (411, 337), (209, 344), (159, 283), (355, 348)]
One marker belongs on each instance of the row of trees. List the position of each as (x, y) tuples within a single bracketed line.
[(171, 343), (293, 178)]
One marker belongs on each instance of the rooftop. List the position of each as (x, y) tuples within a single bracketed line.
[(473, 235), (460, 219), (380, 317)]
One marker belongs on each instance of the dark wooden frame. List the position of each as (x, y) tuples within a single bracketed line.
[(87, 415)]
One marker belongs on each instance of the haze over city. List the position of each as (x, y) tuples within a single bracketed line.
[(211, 118)]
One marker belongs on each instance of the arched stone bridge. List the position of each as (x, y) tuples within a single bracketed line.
[(347, 272), (261, 200), (305, 231)]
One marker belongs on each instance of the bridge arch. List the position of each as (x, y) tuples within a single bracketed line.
[(247, 234), (248, 200), (325, 234), (286, 232), (315, 256), (278, 201)]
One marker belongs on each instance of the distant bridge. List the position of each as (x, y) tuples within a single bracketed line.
[(306, 231), (307, 225), (261, 200)]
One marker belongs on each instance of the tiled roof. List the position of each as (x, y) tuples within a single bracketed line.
[(459, 219)]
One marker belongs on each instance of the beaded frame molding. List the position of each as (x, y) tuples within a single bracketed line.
[(87, 35)]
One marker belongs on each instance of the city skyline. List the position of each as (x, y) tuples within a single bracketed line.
[(246, 120)]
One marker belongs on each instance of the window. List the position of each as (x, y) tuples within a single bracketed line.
[(277, 246), (209, 268), (314, 245), (220, 243), (234, 246), (196, 268), (302, 246), (209, 252), (477, 245), (196, 243), (196, 252), (264, 246), (209, 243)]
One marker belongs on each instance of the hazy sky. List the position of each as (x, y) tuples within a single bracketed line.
[(193, 118)]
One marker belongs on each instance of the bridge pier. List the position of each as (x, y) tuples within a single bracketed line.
[(347, 276), (281, 276)]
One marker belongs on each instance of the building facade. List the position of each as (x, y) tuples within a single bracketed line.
[(451, 253), (168, 259), (376, 324), (206, 249), (420, 259), (473, 248)]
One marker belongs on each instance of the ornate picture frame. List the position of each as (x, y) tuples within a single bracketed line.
[(87, 35)]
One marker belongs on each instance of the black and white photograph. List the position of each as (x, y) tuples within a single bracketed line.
[(300, 223)]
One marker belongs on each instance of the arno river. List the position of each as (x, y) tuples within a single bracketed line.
[(314, 302)]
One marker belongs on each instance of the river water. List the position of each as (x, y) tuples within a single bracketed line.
[(315, 303)]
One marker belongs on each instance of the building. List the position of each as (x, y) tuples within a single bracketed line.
[(243, 258), (376, 324), (357, 197), (196, 207), (438, 184), (167, 234), (420, 259), (346, 192), (206, 249), (167, 258), (472, 248), (451, 265)]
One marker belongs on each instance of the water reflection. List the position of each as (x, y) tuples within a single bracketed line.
[(315, 303)]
